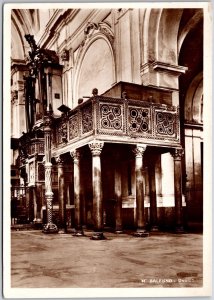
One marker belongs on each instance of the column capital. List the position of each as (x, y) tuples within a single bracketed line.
[(96, 148), (59, 160), (139, 150), (75, 154), (177, 153)]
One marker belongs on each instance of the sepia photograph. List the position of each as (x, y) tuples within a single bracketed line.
[(107, 150)]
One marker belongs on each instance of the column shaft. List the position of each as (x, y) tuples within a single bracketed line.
[(61, 194), (97, 193), (118, 197), (96, 149), (140, 213), (153, 198), (76, 157), (178, 189)]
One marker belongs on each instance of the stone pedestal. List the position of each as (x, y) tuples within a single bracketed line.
[(141, 225), (96, 148)]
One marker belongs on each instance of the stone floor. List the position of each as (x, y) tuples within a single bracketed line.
[(122, 261)]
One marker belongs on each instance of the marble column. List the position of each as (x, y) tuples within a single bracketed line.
[(77, 191), (61, 195), (152, 194), (141, 223), (118, 195), (96, 149), (177, 155)]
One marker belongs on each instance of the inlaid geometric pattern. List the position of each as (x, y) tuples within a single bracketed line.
[(87, 120), (73, 127), (138, 120), (165, 123), (111, 116)]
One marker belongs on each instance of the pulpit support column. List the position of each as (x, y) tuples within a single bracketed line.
[(118, 195), (96, 149), (153, 198), (61, 195), (141, 223), (177, 155), (77, 189)]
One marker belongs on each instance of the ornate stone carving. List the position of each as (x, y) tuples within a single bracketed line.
[(178, 153), (87, 120), (139, 150), (139, 120), (111, 116), (62, 132), (59, 160), (165, 123), (73, 126), (75, 154), (105, 29), (96, 148), (65, 55)]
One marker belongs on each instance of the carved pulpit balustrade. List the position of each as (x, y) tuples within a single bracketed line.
[(118, 120)]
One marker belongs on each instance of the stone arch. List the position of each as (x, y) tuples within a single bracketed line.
[(193, 109), (160, 43), (97, 52), (150, 30), (168, 35), (24, 21)]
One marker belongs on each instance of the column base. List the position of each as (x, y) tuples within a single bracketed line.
[(141, 233), (154, 228), (98, 236), (78, 233), (118, 231), (62, 231), (50, 228), (179, 229)]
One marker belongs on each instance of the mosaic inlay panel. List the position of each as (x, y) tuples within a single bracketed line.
[(73, 127), (87, 120), (111, 116), (138, 120), (165, 123)]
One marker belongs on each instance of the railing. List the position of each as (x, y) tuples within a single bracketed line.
[(127, 120)]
